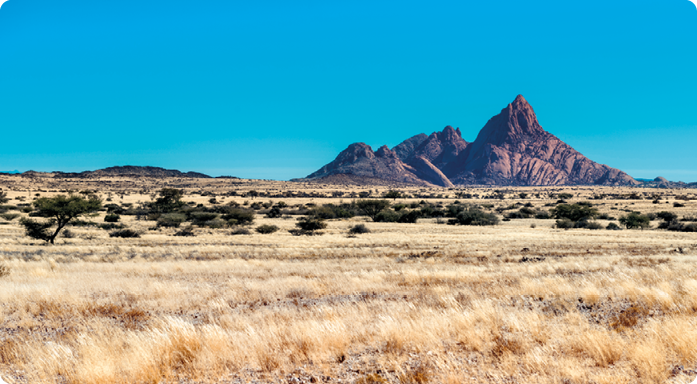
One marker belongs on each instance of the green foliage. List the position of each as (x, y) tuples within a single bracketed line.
[(60, 210), (274, 213), (389, 216), (470, 215), (37, 230), (331, 211), (359, 229), (112, 218), (371, 208), (613, 227), (565, 223), (574, 212), (311, 224), (171, 220), (635, 220), (266, 229), (237, 216), (202, 218), (667, 216), (169, 200), (392, 195)]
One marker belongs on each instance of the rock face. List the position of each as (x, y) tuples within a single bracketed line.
[(511, 149)]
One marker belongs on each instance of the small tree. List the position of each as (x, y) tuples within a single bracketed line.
[(635, 220), (371, 208), (169, 200), (394, 195), (60, 210), (3, 197)]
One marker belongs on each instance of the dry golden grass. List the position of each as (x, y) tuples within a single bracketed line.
[(407, 303)]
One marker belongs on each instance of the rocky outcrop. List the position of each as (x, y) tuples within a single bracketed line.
[(360, 160), (441, 148), (511, 149), (406, 148)]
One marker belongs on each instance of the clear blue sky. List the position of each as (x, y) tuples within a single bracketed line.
[(275, 89)]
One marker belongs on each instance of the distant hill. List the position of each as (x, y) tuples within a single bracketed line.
[(134, 171), (10, 172), (512, 149)]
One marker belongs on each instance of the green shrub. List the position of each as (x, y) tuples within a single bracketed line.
[(237, 216), (667, 216), (474, 216), (613, 227), (112, 218), (266, 229), (635, 220), (311, 224), (359, 229), (574, 212), (371, 208), (171, 220), (565, 223)]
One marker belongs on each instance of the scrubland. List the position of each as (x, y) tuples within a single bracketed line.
[(520, 302)]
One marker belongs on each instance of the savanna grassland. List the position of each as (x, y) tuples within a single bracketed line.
[(425, 302)]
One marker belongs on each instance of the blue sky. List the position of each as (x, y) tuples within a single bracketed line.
[(275, 89)]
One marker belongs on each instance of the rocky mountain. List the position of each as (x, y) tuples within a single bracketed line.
[(511, 149)]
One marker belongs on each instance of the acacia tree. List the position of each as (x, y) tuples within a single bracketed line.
[(371, 208), (59, 210)]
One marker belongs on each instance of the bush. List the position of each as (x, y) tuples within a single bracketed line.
[(236, 216), (202, 218), (594, 225), (371, 208), (474, 216), (613, 227), (311, 224), (574, 212), (266, 229), (565, 223), (274, 212), (112, 218), (359, 229), (240, 231), (171, 220), (635, 220), (543, 215), (124, 233), (667, 216), (678, 205)]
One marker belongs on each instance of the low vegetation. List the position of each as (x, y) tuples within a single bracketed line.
[(218, 289)]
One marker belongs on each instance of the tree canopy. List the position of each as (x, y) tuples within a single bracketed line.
[(59, 210)]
